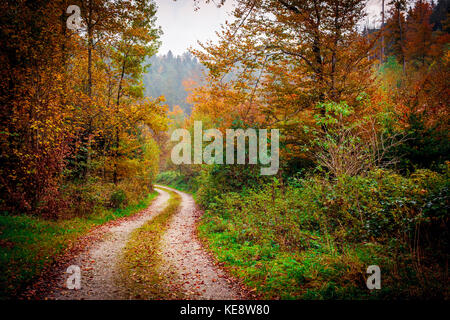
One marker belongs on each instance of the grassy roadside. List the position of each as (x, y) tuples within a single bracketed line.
[(274, 273), (266, 271), (303, 242), (141, 258), (28, 244)]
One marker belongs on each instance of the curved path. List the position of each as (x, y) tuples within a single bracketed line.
[(200, 277), (99, 263), (180, 247)]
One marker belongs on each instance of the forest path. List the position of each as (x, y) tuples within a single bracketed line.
[(99, 263), (183, 251), (180, 248)]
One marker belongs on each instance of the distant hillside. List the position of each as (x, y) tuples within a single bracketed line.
[(166, 76)]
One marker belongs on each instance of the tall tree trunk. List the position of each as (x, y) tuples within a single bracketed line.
[(382, 32), (90, 45), (119, 91), (337, 36), (402, 45)]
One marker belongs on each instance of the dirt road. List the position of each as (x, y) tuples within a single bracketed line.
[(180, 246), (99, 262)]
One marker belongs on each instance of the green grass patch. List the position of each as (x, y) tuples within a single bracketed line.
[(320, 271), (140, 266), (28, 244), (315, 240)]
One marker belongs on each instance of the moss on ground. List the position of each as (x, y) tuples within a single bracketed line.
[(140, 269)]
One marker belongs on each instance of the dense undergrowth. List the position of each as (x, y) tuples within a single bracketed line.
[(28, 243), (141, 260), (314, 237), (178, 181)]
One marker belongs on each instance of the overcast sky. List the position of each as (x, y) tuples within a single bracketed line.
[(182, 26)]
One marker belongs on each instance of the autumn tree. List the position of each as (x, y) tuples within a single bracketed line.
[(419, 91), (34, 134), (73, 103), (278, 59), (396, 24)]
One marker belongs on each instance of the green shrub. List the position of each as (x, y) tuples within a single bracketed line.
[(118, 199), (219, 179), (427, 145), (177, 180), (315, 237)]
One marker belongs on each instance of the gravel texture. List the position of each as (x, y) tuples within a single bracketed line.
[(99, 263), (183, 254), (200, 277)]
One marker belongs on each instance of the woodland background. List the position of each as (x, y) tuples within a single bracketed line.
[(86, 119)]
